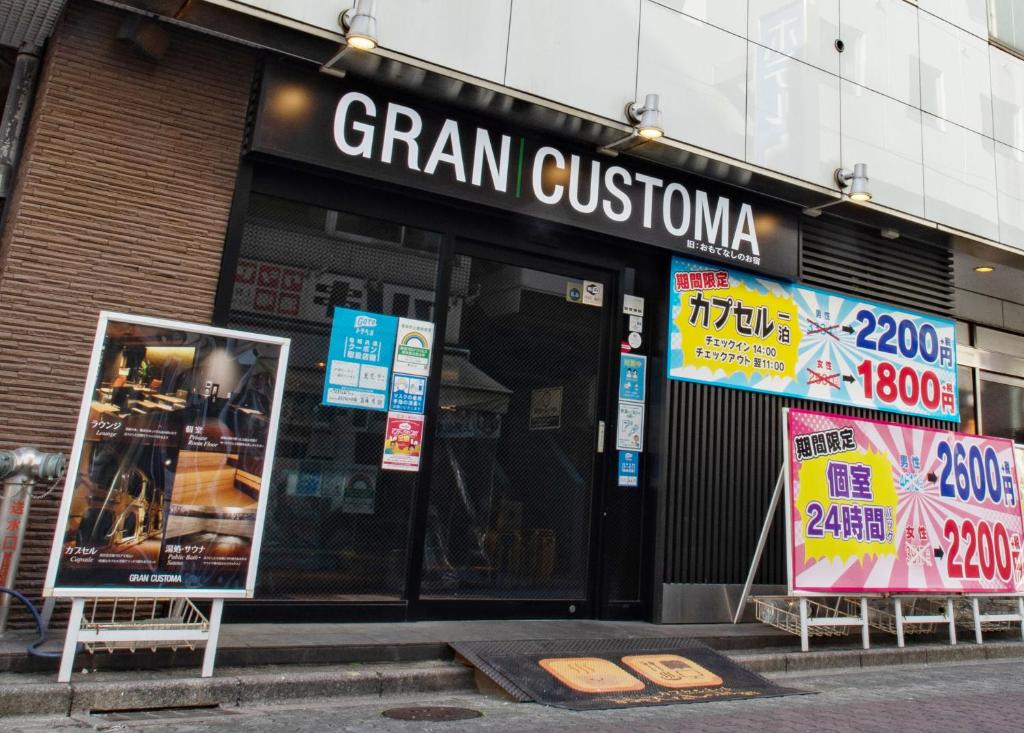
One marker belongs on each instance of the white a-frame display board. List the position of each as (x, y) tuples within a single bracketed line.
[(169, 474)]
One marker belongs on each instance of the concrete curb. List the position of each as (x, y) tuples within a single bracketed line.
[(231, 689), (847, 658)]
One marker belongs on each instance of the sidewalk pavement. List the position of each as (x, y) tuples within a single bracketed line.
[(421, 662)]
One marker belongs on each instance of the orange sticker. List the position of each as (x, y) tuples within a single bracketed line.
[(669, 670), (591, 674)]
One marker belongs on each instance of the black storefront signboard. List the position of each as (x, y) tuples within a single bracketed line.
[(372, 131)]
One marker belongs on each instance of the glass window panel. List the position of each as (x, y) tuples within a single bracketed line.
[(1002, 406), (968, 411), (337, 526)]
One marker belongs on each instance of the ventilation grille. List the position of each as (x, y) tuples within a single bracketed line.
[(857, 261)]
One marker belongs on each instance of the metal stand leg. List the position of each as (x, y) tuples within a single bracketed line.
[(67, 660), (864, 631), (952, 621), (804, 645), (47, 614), (765, 529), (210, 655), (898, 609), (977, 620), (1020, 610)]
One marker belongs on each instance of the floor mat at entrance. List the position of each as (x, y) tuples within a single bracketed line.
[(593, 674)]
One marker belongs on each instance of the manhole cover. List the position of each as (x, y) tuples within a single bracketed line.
[(431, 712)]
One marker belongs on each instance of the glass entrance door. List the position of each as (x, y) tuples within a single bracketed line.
[(515, 462)]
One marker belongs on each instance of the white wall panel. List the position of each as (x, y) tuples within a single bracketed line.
[(881, 48), (955, 81), (959, 177), (804, 29), (701, 73), (578, 52), (885, 134), (468, 35), (971, 15), (1010, 185), (729, 15), (1007, 97), (792, 116)]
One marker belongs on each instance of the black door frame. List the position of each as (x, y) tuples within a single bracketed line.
[(431, 609), (498, 235)]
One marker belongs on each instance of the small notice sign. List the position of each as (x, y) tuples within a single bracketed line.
[(403, 441), (629, 468), (629, 434), (546, 408)]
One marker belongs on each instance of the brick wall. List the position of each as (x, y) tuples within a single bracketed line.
[(121, 203)]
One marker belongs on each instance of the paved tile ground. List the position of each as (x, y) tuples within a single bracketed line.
[(978, 697)]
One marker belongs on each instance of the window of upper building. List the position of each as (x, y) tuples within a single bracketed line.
[(1006, 23)]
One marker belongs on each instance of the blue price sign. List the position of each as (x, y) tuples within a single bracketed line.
[(359, 359)]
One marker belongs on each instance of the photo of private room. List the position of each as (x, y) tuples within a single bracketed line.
[(119, 500), (234, 385), (213, 504)]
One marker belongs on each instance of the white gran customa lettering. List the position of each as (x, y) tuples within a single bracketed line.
[(626, 206), (497, 166), (538, 175), (574, 185), (650, 183), (447, 149), (364, 146), (392, 134), (745, 231), (703, 219), (666, 209)]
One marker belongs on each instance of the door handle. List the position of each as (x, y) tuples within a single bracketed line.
[(600, 436)]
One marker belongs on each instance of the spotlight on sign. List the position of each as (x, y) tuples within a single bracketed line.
[(646, 121), (360, 24), (857, 180)]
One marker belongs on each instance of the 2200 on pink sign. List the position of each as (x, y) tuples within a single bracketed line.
[(876, 507)]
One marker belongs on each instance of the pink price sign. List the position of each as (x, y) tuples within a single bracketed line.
[(876, 507)]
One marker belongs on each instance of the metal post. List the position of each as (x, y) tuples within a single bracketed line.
[(761, 541), (951, 618), (804, 643), (19, 470), (1020, 611), (898, 608), (975, 608), (15, 115), (865, 633), (13, 514), (210, 654), (67, 660)]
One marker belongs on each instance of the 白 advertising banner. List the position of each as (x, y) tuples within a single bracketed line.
[(733, 329), (167, 484), (876, 507)]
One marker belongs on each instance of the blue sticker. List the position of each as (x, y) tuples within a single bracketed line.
[(632, 377), (359, 359), (629, 468), (408, 393)]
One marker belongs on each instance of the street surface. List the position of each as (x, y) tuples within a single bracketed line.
[(968, 696)]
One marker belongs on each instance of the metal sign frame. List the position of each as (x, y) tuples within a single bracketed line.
[(105, 318)]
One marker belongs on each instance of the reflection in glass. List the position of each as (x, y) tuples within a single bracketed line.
[(968, 409), (337, 526), (1002, 406)]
